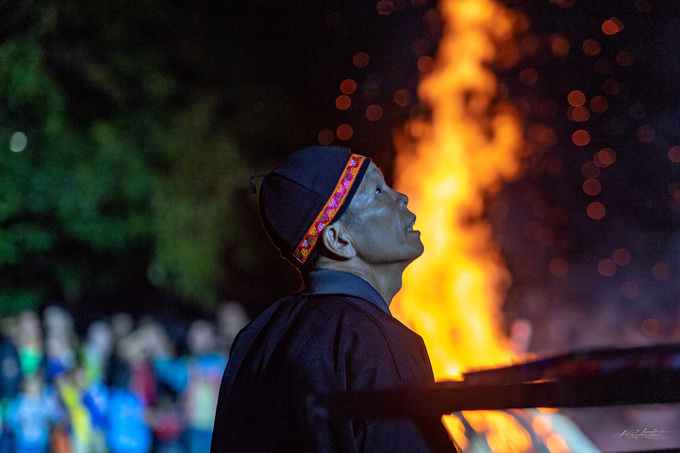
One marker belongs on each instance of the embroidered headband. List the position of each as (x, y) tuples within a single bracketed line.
[(329, 211), (304, 193)]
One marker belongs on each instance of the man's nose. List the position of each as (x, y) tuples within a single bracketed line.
[(401, 198)]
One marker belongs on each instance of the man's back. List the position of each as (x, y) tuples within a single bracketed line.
[(313, 344)]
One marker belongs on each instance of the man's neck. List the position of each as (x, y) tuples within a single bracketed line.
[(384, 279)]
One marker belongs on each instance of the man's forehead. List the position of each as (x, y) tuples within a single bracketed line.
[(373, 176), (374, 171)]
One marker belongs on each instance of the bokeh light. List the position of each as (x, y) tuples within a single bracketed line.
[(344, 132), (578, 114), (612, 26), (646, 133), (402, 97), (592, 187), (325, 137), (661, 271), (361, 59), (425, 64), (385, 7), (624, 58), (558, 267), (559, 46), (674, 153), (650, 327), (374, 112), (542, 135), (18, 142), (348, 86), (576, 98), (343, 102), (621, 257), (580, 137), (599, 104), (590, 170), (606, 267), (604, 157), (596, 210), (530, 44), (591, 47), (528, 76)]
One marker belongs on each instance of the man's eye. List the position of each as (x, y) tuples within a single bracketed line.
[(378, 190)]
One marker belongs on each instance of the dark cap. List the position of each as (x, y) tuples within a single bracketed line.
[(304, 193)]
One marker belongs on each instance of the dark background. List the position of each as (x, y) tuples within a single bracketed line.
[(145, 119)]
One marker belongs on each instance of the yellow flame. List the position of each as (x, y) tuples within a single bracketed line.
[(449, 164)]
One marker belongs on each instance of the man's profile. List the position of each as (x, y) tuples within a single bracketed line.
[(329, 212)]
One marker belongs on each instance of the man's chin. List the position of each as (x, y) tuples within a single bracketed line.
[(421, 248), (417, 254)]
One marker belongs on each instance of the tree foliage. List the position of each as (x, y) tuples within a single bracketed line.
[(118, 161)]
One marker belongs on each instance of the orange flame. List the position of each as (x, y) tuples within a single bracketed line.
[(449, 164)]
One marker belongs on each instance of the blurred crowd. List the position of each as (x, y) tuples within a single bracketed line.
[(123, 385)]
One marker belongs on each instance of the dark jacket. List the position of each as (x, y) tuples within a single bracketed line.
[(336, 335)]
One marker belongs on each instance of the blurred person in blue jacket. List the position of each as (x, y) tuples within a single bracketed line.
[(10, 380), (32, 414), (196, 377)]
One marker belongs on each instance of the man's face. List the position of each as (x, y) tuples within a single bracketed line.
[(381, 226)]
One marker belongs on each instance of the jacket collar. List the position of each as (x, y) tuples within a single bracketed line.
[(325, 281)]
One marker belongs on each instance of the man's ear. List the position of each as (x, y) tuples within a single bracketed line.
[(336, 239)]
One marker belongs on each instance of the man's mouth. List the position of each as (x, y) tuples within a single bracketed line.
[(410, 227)]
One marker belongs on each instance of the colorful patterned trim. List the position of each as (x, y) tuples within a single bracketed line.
[(331, 208)]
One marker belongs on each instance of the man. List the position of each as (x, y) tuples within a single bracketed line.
[(330, 213)]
